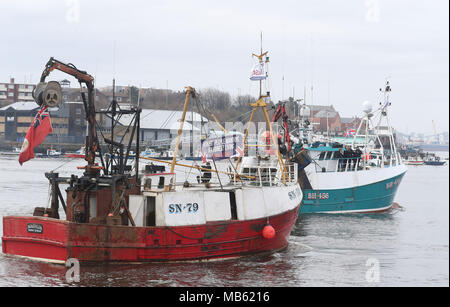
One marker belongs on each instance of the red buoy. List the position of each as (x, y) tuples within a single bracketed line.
[(268, 232)]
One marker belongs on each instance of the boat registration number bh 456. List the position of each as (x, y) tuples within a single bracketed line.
[(318, 196), (182, 208)]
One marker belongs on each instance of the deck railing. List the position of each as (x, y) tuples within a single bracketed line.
[(269, 175), (354, 164)]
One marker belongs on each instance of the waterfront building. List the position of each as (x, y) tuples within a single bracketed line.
[(11, 92)]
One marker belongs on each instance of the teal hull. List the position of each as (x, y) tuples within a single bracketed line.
[(376, 197)]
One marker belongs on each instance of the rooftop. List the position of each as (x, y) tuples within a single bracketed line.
[(348, 120), (21, 106), (163, 119), (325, 113)]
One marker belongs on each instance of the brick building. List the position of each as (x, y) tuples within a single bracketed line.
[(325, 119), (14, 92), (348, 123)]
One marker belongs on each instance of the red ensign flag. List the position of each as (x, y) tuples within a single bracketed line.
[(39, 129)]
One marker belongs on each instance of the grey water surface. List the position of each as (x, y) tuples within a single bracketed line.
[(408, 248)]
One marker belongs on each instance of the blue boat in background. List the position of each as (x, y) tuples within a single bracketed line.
[(434, 160)]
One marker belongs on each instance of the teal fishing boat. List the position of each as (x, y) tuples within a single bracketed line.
[(361, 176)]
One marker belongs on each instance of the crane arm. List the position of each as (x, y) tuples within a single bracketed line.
[(92, 144), (280, 112), (218, 123), (70, 69)]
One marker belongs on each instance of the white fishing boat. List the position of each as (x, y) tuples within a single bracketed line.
[(337, 180), (14, 152), (414, 160)]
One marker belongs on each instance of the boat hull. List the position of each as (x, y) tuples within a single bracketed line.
[(56, 241), (74, 155), (374, 197), (435, 163), (414, 163)]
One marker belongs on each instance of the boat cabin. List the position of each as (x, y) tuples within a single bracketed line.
[(333, 158)]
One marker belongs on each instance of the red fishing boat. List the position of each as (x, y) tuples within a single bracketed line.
[(116, 213), (77, 154)]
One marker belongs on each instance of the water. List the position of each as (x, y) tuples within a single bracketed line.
[(410, 247)]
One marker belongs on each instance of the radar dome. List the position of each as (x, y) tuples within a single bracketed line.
[(367, 107), (305, 111)]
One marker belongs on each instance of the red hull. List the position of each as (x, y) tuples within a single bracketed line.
[(61, 240), (69, 155)]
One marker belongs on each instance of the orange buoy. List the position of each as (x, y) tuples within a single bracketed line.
[(268, 232)]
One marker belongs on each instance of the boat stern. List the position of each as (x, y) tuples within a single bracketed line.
[(38, 238)]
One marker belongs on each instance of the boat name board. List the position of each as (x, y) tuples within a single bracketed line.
[(180, 208), (35, 228), (313, 195)]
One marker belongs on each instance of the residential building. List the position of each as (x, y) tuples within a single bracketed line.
[(68, 122), (325, 119), (348, 123), (14, 92)]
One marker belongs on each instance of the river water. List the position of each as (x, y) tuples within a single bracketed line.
[(408, 248)]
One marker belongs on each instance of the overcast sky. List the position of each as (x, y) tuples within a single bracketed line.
[(344, 48)]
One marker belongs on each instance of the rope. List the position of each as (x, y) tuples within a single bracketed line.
[(48, 197), (62, 165)]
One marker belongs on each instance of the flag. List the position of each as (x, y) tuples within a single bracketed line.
[(350, 133), (258, 72), (204, 157), (38, 131)]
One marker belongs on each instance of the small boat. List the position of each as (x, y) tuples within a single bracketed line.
[(414, 160), (151, 153), (14, 152), (50, 153), (195, 157), (80, 153), (434, 160)]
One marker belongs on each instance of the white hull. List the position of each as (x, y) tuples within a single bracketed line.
[(345, 180)]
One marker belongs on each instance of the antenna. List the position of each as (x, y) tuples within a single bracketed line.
[(261, 62), (114, 59), (139, 96), (261, 42)]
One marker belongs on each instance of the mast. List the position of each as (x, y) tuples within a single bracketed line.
[(189, 91), (261, 104)]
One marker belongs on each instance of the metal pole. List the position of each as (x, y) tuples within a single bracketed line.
[(180, 130)]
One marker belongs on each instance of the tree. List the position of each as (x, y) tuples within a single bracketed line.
[(214, 99)]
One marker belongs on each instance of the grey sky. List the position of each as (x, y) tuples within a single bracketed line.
[(345, 48)]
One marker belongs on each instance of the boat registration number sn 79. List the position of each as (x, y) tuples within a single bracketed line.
[(318, 196), (181, 208)]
